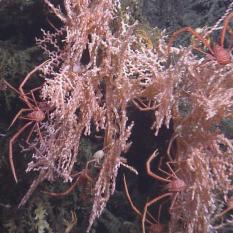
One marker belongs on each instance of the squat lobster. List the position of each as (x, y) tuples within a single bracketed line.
[(174, 186), (216, 51), (33, 113)]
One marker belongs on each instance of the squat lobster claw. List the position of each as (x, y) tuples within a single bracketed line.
[(216, 51)]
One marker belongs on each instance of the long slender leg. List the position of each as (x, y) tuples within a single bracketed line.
[(71, 188), (195, 34), (144, 107), (18, 114), (152, 174), (148, 204), (30, 134), (223, 32), (136, 210), (12, 140), (173, 200), (172, 171), (170, 145), (27, 118), (170, 168), (169, 175), (159, 214), (209, 55), (11, 87), (33, 96), (39, 132), (15, 90), (61, 194), (29, 75)]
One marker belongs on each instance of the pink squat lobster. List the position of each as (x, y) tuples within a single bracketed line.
[(35, 115), (174, 186), (217, 50)]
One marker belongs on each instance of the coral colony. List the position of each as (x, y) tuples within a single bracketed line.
[(98, 66)]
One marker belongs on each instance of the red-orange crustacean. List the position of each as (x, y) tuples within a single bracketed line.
[(215, 51)]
